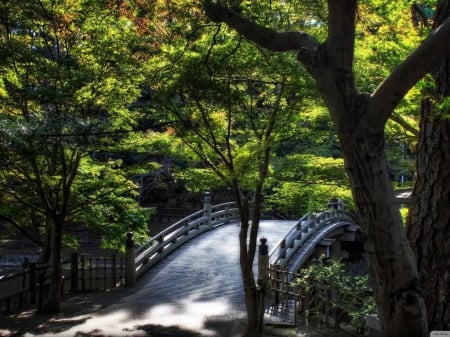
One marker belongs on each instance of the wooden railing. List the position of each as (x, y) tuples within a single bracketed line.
[(81, 273), (24, 287), (182, 231), (319, 301), (304, 229)]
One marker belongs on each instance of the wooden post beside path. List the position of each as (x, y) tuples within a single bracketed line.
[(130, 269)]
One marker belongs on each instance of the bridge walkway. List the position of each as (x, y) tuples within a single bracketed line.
[(205, 271)]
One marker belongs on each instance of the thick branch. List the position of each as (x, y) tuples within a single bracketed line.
[(341, 34), (262, 36), (21, 229), (404, 124), (407, 74)]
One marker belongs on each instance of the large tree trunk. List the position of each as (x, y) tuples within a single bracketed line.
[(429, 216), (391, 262)]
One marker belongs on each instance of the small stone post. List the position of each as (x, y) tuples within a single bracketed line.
[(130, 269), (263, 280), (207, 206)]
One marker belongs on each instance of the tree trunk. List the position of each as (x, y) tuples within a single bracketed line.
[(248, 279), (392, 265), (429, 215), (53, 304), (429, 218)]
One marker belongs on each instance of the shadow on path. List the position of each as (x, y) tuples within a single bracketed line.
[(195, 291)]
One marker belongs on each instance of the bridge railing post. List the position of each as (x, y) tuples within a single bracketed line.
[(282, 249), (207, 206), (312, 220), (130, 268), (276, 282), (299, 233)]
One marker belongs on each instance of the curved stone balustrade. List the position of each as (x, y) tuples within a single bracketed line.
[(307, 233), (182, 231)]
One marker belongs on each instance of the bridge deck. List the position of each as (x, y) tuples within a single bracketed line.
[(207, 268)]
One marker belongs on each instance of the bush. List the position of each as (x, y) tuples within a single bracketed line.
[(329, 283)]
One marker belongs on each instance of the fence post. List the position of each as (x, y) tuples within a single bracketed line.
[(74, 272), (33, 280), (312, 220), (207, 206), (276, 270), (130, 268), (40, 301), (113, 271), (263, 278)]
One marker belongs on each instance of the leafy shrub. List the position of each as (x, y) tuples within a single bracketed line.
[(328, 282)]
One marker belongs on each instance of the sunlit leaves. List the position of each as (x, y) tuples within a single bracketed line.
[(199, 179), (71, 72), (104, 199), (385, 35), (304, 183)]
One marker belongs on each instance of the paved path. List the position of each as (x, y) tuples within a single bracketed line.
[(195, 287)]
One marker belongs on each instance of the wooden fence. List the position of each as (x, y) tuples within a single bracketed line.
[(319, 302), (80, 273)]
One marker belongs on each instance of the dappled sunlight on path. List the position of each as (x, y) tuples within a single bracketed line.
[(197, 289)]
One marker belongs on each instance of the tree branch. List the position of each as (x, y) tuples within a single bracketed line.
[(404, 124), (262, 36), (407, 74), (341, 34)]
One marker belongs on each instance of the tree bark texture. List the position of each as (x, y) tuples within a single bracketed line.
[(248, 279), (398, 291), (53, 304), (429, 216)]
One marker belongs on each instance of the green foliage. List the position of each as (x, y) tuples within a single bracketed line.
[(351, 294), (404, 213), (385, 35), (304, 183), (105, 200), (198, 179), (229, 102), (70, 73)]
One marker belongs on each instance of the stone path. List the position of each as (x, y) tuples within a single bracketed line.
[(196, 288)]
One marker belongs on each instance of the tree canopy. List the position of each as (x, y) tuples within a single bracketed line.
[(70, 71)]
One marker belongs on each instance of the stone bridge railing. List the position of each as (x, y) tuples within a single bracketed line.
[(182, 231), (305, 228)]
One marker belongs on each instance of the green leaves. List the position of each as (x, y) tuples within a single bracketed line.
[(72, 71), (351, 294), (304, 183)]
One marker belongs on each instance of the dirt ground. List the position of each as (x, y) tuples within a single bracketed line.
[(80, 307)]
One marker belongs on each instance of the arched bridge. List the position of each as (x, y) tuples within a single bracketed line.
[(295, 242), (312, 235), (189, 274)]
